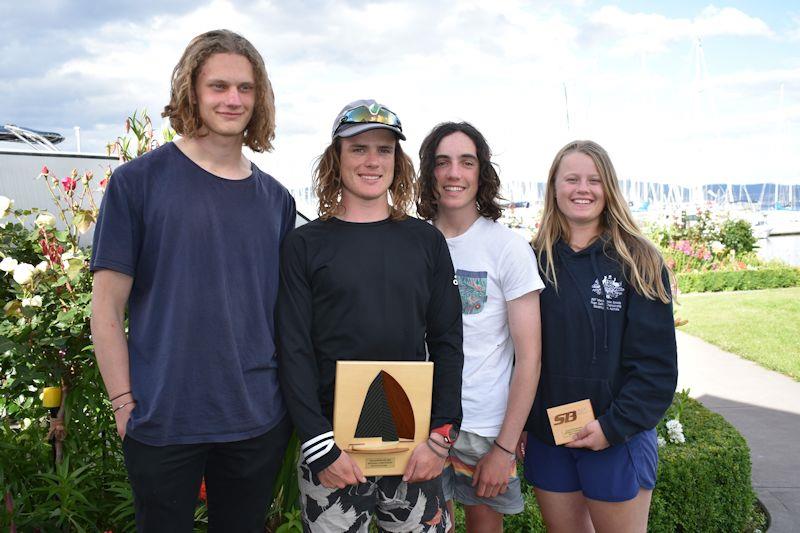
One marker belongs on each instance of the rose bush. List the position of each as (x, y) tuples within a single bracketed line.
[(63, 468)]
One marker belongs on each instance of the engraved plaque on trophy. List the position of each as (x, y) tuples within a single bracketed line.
[(381, 411)]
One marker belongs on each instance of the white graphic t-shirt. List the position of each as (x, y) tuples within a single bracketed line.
[(493, 266)]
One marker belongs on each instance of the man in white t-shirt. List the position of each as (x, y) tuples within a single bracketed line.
[(499, 284)]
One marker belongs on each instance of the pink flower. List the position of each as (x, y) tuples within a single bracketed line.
[(45, 170), (103, 184), (69, 184)]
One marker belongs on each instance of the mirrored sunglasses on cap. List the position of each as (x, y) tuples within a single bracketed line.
[(376, 113)]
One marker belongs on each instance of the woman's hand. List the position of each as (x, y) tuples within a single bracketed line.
[(591, 437)]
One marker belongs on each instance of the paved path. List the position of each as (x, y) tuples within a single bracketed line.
[(765, 408)]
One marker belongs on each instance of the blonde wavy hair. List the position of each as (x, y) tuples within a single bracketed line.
[(642, 263), (328, 183), (182, 108)]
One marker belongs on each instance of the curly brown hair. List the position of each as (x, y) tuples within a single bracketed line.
[(182, 108), (488, 180), (328, 183)]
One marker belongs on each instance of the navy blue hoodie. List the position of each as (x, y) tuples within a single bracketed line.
[(604, 341)]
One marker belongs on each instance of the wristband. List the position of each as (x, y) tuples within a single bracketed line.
[(442, 456), (117, 408), (118, 396), (505, 450)]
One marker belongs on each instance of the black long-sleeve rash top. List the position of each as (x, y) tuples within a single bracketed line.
[(364, 292)]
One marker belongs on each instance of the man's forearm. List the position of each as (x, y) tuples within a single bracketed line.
[(520, 399), (111, 350), (109, 298), (525, 326)]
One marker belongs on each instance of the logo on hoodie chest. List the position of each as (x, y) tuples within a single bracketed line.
[(613, 290)]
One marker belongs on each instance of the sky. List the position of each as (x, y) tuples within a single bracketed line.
[(677, 92)]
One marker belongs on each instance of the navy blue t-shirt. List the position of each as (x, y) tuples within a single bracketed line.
[(203, 254)]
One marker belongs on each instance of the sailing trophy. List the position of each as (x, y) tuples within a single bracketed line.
[(381, 412)]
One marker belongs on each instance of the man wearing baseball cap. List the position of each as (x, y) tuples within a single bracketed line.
[(367, 282)]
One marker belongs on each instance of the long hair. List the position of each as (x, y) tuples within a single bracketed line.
[(182, 108), (328, 183), (488, 180), (641, 261)]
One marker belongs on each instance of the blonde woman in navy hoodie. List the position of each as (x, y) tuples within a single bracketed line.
[(607, 336)]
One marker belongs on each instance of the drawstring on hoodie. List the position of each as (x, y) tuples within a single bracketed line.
[(593, 255), (592, 252)]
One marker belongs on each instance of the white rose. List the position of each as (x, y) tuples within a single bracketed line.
[(6, 205), (43, 266), (45, 220), (23, 273), (73, 264), (8, 264), (661, 441), (34, 301)]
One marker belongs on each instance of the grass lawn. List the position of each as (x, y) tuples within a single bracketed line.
[(763, 326)]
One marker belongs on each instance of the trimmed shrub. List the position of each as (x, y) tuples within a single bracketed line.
[(704, 484), (741, 280)]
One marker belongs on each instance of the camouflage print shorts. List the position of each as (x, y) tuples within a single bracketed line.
[(398, 506)]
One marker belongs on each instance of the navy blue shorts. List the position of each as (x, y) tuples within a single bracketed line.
[(612, 475)]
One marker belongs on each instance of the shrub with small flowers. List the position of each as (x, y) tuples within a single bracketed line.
[(706, 242), (712, 252), (60, 469), (45, 341)]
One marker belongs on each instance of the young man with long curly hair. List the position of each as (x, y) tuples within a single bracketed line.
[(367, 282), (188, 239), (499, 285)]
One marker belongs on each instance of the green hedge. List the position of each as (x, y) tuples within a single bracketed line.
[(740, 280), (703, 485)]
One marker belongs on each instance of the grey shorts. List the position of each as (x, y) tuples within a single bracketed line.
[(396, 505), (457, 476)]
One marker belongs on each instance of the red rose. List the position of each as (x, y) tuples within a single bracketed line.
[(69, 184)]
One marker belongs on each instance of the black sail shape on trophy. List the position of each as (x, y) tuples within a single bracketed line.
[(387, 412)]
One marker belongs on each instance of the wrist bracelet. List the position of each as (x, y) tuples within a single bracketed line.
[(117, 408), (442, 456), (118, 396), (439, 444), (501, 447)]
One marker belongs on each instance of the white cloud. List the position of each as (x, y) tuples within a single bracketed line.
[(502, 65), (637, 33)]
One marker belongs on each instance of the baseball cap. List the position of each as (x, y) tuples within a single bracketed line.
[(364, 115)]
